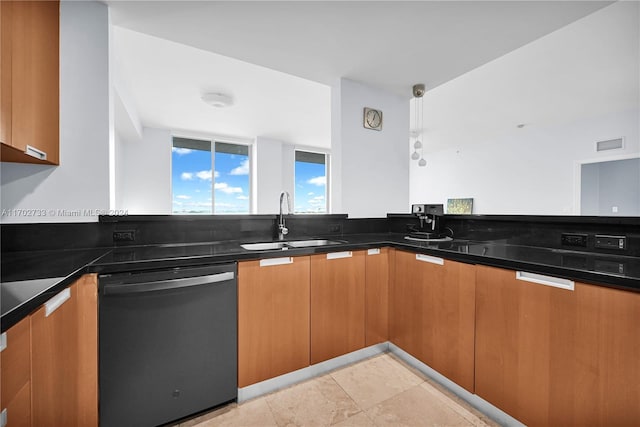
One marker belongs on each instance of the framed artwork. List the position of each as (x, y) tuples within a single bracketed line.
[(460, 206)]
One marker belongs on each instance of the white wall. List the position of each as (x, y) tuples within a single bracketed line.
[(267, 175), (369, 169), (571, 88), (81, 182), (525, 171), (273, 172), (144, 173)]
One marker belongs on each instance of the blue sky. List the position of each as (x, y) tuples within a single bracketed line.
[(311, 186), (192, 178)]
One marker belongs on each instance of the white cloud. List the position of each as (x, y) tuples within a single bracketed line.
[(243, 169), (183, 197), (224, 187), (316, 201), (318, 180), (242, 198), (216, 174), (310, 194), (181, 151), (204, 175)]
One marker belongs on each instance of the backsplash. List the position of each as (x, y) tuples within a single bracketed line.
[(167, 229), (542, 231), (529, 230)]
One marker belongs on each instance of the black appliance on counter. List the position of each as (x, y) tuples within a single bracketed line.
[(168, 343), (430, 226)]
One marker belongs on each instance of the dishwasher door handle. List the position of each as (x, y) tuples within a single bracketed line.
[(161, 285)]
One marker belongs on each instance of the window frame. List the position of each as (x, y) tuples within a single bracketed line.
[(327, 165), (213, 139)]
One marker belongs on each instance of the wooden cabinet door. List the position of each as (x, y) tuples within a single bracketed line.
[(551, 356), (64, 358), (273, 318), (377, 296), (6, 8), (32, 102), (337, 304), (15, 362), (434, 314), (448, 319), (406, 307)]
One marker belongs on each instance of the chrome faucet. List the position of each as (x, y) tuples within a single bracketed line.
[(282, 230)]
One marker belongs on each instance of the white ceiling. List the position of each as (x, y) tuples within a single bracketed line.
[(166, 81), (243, 48), (585, 71)]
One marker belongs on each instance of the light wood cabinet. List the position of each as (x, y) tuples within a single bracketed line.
[(29, 87), (377, 295), (64, 358), (337, 304), (552, 356), (6, 9), (15, 362), (433, 309), (273, 318)]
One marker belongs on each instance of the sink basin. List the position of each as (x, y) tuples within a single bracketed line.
[(265, 246), (310, 243)]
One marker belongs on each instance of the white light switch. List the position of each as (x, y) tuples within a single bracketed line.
[(614, 209)]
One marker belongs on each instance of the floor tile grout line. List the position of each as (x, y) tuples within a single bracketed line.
[(453, 405)]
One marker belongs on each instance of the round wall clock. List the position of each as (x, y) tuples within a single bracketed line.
[(372, 119)]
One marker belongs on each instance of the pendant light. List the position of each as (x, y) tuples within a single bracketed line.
[(418, 92)]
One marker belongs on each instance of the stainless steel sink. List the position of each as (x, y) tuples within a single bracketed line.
[(264, 246), (291, 244), (310, 243)]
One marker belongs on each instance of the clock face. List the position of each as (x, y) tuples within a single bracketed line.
[(372, 119)]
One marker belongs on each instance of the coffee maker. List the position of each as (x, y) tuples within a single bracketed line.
[(430, 222)]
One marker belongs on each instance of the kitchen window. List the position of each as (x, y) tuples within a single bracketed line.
[(311, 182), (209, 177)]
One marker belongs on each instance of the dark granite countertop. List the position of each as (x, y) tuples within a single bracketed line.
[(30, 278)]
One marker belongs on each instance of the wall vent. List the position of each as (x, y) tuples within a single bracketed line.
[(610, 144)]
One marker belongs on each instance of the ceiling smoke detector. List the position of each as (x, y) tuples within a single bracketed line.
[(218, 100)]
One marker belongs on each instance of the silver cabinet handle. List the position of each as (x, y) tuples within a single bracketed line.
[(34, 152), (541, 279), (275, 261), (375, 251), (54, 303), (3, 341), (430, 259), (3, 418), (337, 255)]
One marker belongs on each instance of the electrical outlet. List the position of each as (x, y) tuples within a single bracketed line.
[(335, 228), (124, 236), (610, 242), (573, 239)]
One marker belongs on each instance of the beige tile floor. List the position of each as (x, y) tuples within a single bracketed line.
[(380, 391)]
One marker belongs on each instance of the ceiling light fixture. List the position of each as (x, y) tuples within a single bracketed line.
[(218, 100), (418, 103)]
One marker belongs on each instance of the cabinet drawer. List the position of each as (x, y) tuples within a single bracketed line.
[(16, 360)]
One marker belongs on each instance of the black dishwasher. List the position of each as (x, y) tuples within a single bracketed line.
[(168, 343)]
